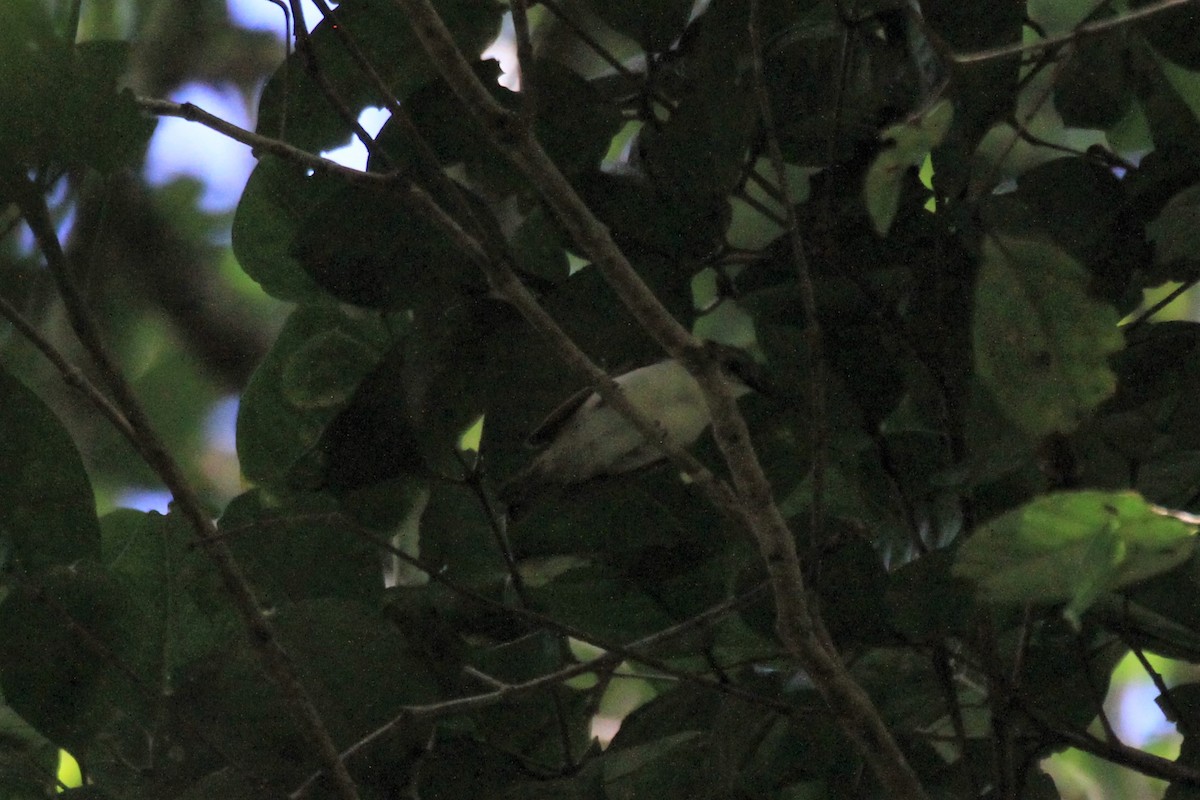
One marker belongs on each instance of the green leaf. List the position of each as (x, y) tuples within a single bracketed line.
[(154, 559), (1175, 232), (1074, 546), (539, 248), (369, 247), (457, 540), (47, 511), (301, 547), (359, 670), (294, 106), (700, 149), (74, 624), (1092, 90), (533, 725), (1174, 126), (1173, 33), (454, 361), (602, 602), (575, 122), (1041, 345), (101, 126), (274, 206), (908, 144), (310, 375), (678, 766), (35, 71), (653, 25)]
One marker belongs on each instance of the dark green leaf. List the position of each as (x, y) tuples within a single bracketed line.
[(35, 67), (1172, 33), (1092, 90), (294, 106), (1173, 124), (276, 202), (154, 559), (653, 25), (75, 626), (357, 668), (926, 601), (47, 512), (698, 152), (455, 359), (101, 126), (539, 248), (371, 248), (534, 725), (456, 538), (314, 369), (1176, 230), (301, 547), (603, 603)]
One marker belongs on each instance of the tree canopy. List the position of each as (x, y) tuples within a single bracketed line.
[(949, 235)]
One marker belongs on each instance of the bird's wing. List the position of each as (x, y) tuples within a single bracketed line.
[(545, 432)]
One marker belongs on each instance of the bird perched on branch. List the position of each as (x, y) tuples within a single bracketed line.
[(585, 438)]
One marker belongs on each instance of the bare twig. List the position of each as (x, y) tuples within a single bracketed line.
[(1158, 306), (260, 143), (1088, 29), (541, 620), (149, 446), (505, 691), (1120, 753)]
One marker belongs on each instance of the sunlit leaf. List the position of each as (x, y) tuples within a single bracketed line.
[(1041, 344), (1073, 546)]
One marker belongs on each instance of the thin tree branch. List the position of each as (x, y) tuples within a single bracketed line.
[(1088, 29), (818, 421), (72, 375), (419, 199), (309, 54), (260, 143), (504, 691), (799, 626), (1121, 754), (1158, 306), (146, 441)]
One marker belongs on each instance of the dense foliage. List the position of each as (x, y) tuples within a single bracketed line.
[(982, 442)]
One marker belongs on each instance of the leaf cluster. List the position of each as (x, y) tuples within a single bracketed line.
[(1005, 467)]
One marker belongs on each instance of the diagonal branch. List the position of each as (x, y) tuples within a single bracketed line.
[(72, 375), (1083, 31), (149, 446), (260, 143)]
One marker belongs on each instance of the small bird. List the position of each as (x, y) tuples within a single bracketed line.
[(585, 438)]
